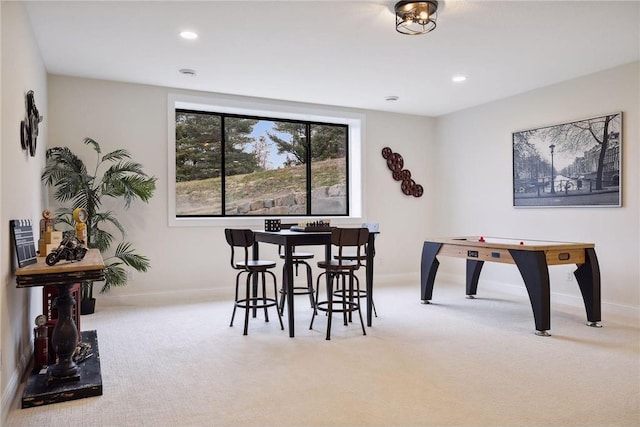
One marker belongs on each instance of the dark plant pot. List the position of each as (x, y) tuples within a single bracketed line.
[(88, 306)]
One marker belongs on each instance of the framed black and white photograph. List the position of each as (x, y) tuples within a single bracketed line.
[(570, 164)]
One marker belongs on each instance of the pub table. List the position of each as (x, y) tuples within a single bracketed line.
[(290, 239)]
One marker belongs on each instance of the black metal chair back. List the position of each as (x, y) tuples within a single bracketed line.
[(239, 238), (350, 238)]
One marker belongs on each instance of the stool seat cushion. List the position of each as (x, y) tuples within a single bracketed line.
[(352, 257), (335, 264), (255, 264), (299, 255)]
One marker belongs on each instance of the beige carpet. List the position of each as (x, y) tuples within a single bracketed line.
[(457, 362)]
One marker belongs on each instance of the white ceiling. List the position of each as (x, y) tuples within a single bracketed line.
[(336, 52)]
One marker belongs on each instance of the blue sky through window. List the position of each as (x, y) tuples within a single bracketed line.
[(274, 160)]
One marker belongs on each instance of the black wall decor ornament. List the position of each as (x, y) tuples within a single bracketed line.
[(395, 163), (29, 126)]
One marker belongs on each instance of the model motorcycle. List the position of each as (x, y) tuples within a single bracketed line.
[(70, 249)]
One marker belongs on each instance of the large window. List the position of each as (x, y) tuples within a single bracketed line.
[(229, 164)]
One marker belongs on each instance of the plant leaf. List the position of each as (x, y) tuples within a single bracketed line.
[(94, 143), (116, 155), (126, 254)]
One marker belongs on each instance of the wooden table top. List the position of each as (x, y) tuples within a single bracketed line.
[(90, 268), (509, 243)]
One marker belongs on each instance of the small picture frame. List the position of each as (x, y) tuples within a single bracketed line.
[(23, 242)]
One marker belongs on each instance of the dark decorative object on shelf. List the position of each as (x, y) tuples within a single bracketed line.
[(29, 126), (37, 392), (395, 163), (71, 249)]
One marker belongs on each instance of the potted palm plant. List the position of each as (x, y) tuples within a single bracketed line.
[(114, 176)]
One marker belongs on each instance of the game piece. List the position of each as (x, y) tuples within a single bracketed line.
[(481, 239), (522, 243)]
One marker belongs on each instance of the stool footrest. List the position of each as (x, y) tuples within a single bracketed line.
[(256, 302), (355, 293), (338, 306), (298, 290)]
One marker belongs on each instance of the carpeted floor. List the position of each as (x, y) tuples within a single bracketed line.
[(456, 362)]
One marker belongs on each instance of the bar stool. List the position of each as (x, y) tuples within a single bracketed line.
[(361, 293), (241, 238), (341, 268)]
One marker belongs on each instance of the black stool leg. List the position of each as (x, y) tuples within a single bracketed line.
[(346, 314), (247, 304), (264, 296), (315, 303), (283, 290), (235, 301), (275, 298), (310, 283), (330, 307), (359, 311)]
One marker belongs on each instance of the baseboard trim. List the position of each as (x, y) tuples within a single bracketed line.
[(214, 294), (163, 298), (13, 385), (221, 294)]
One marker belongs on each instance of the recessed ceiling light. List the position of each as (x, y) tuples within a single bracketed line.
[(188, 72), (391, 98), (189, 35), (458, 79)]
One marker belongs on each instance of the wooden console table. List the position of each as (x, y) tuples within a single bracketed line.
[(532, 257), (64, 275)]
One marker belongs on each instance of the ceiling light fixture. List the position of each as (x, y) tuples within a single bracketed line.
[(189, 35), (458, 79), (416, 17)]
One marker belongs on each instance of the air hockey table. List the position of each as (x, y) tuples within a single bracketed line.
[(532, 257)]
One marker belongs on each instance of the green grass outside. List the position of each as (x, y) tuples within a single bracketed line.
[(258, 185)]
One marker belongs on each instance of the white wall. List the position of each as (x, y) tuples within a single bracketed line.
[(474, 171), (189, 261), (22, 70)]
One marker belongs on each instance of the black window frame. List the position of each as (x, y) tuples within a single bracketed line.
[(308, 124)]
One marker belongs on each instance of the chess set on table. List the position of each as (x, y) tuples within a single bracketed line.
[(319, 225)]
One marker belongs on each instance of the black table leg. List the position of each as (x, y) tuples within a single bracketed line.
[(588, 277), (474, 267), (289, 279), (535, 273), (64, 340), (254, 281), (428, 269), (371, 251)]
